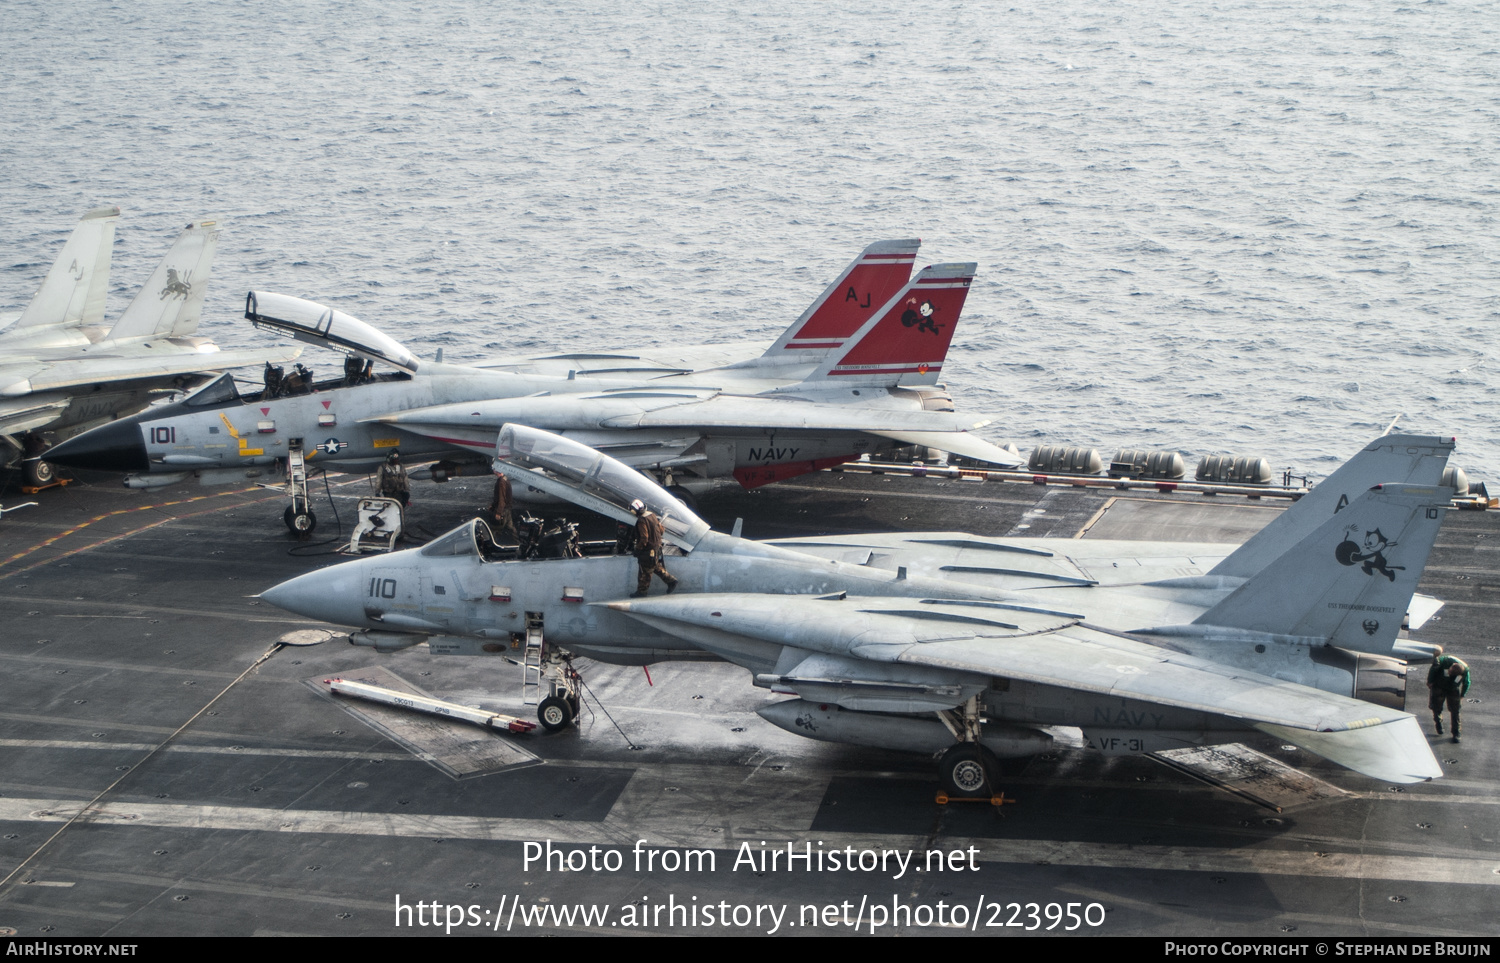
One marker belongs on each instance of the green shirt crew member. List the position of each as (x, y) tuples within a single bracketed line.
[(1447, 681)]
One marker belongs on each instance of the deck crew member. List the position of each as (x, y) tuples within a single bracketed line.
[(1448, 681), (501, 507), (648, 536), (391, 480)]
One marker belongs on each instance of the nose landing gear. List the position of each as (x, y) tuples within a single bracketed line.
[(543, 664), (557, 712), (299, 515)]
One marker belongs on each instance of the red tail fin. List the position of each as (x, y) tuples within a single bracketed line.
[(906, 341), (868, 282)]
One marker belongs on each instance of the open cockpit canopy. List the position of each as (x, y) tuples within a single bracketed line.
[(316, 324), (577, 473)]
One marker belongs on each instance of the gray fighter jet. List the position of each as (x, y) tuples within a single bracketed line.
[(951, 642), (62, 370), (846, 379)]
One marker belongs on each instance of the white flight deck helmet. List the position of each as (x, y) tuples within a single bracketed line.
[(638, 506)]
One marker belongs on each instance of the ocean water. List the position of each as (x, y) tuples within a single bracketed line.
[(1248, 226)]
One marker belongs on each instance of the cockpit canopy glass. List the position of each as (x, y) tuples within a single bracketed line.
[(216, 392), (599, 475), (463, 540), (316, 324)]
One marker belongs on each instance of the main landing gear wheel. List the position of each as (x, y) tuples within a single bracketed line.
[(39, 473), (555, 713), (967, 770), (301, 523)]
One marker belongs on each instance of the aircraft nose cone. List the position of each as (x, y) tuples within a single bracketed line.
[(113, 447), (327, 595), (295, 595)]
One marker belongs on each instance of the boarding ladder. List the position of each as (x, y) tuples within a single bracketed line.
[(531, 661), (296, 478)]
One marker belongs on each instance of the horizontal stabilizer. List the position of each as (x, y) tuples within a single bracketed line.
[(866, 284), (962, 443), (18, 415), (1394, 752), (73, 291), (170, 303), (1421, 610)]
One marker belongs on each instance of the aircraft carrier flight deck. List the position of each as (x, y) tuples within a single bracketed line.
[(169, 766)]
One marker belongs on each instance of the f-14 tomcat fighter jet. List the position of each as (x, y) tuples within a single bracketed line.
[(953, 642), (60, 369), (846, 379)]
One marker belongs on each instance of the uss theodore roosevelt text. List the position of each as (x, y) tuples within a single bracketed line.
[(788, 857)]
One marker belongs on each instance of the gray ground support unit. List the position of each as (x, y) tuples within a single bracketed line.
[(156, 778)]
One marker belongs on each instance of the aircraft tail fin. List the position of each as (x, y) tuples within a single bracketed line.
[(171, 302), (1351, 580), (905, 342), (73, 291), (868, 282), (1409, 459)]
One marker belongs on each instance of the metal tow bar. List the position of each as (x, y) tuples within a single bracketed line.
[(435, 707)]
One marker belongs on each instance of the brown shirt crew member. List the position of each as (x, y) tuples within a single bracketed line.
[(648, 539)]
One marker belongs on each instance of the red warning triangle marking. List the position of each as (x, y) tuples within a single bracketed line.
[(326, 404), (265, 411)]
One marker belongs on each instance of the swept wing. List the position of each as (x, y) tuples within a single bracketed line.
[(694, 413), (164, 360), (987, 639)]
